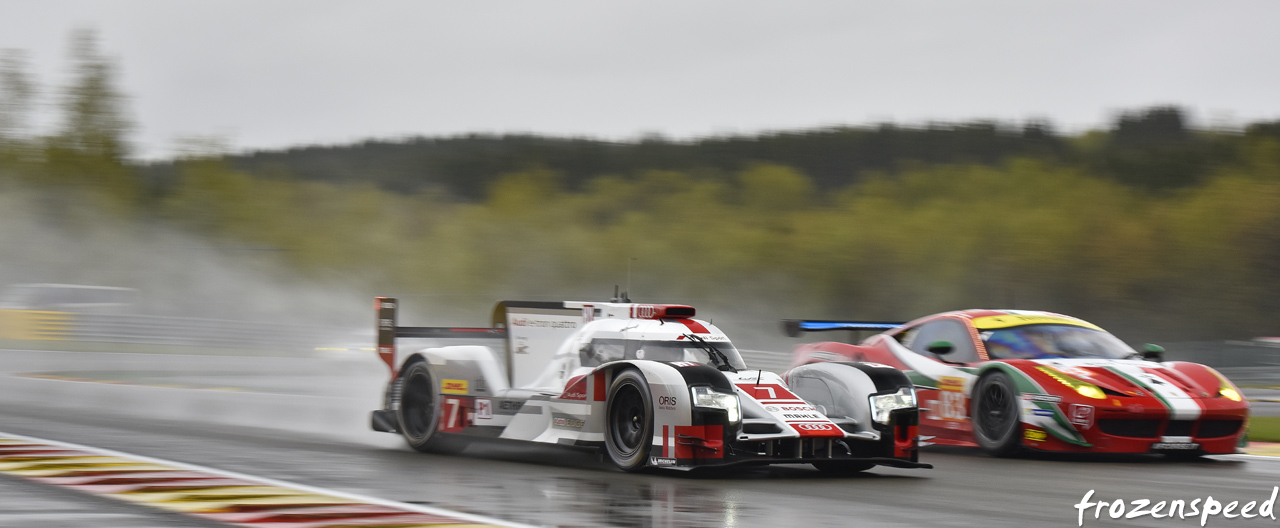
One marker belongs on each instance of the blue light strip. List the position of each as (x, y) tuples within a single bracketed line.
[(818, 326)]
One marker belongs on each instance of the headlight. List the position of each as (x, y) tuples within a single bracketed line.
[(709, 397), (1225, 388), (1083, 388), (1091, 391), (883, 404)]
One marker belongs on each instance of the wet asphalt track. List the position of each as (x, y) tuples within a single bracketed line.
[(302, 420)]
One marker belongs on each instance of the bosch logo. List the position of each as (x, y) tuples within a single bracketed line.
[(813, 427), (772, 409)]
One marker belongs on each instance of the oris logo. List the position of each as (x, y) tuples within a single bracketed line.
[(812, 426)]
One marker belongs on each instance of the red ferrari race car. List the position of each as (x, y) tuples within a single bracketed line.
[(1007, 380)]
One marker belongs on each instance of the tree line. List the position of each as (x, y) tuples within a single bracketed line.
[(1150, 228)]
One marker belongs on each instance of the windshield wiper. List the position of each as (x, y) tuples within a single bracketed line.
[(716, 355)]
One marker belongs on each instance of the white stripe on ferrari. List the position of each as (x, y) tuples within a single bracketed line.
[(1181, 405)]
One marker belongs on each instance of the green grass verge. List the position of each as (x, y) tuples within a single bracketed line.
[(1264, 429)]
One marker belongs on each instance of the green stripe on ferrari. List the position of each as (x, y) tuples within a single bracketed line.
[(1136, 381)]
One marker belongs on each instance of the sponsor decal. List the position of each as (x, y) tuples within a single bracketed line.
[(1081, 415), (801, 408), (1042, 412), (1175, 446), (1034, 435), (576, 390), (643, 311), (1204, 508), (772, 408), (661, 461), (802, 416), (542, 323), (809, 429), (950, 406), (667, 402), (484, 409), (568, 422), (509, 406), (453, 386), (574, 395), (682, 364), (1048, 398), (951, 383)]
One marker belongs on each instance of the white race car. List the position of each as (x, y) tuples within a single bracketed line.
[(648, 384)]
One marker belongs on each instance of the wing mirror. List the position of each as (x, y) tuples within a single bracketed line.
[(1153, 352), (940, 348)]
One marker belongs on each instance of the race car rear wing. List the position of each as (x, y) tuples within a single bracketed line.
[(795, 327), (388, 332), (531, 331)]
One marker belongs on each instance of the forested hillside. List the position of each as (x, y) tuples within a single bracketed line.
[(1150, 228), (1154, 149)]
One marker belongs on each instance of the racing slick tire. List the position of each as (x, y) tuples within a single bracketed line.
[(843, 468), (996, 414), (629, 421), (419, 410)]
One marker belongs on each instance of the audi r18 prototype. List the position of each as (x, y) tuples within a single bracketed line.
[(648, 384), (1008, 380)]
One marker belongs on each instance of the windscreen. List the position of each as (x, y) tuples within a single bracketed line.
[(1051, 341), (602, 351)]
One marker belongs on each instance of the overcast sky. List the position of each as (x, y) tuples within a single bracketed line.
[(271, 74)]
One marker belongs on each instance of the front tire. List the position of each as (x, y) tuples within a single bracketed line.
[(996, 415), (629, 421), (419, 409)]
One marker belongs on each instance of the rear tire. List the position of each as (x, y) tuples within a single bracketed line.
[(996, 415), (419, 409), (629, 421)]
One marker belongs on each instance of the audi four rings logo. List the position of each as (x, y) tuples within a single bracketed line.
[(813, 427)]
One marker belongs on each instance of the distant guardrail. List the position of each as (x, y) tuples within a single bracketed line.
[(35, 325), (158, 330)]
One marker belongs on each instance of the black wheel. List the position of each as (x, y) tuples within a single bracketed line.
[(843, 468), (419, 409), (629, 421), (995, 413)]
